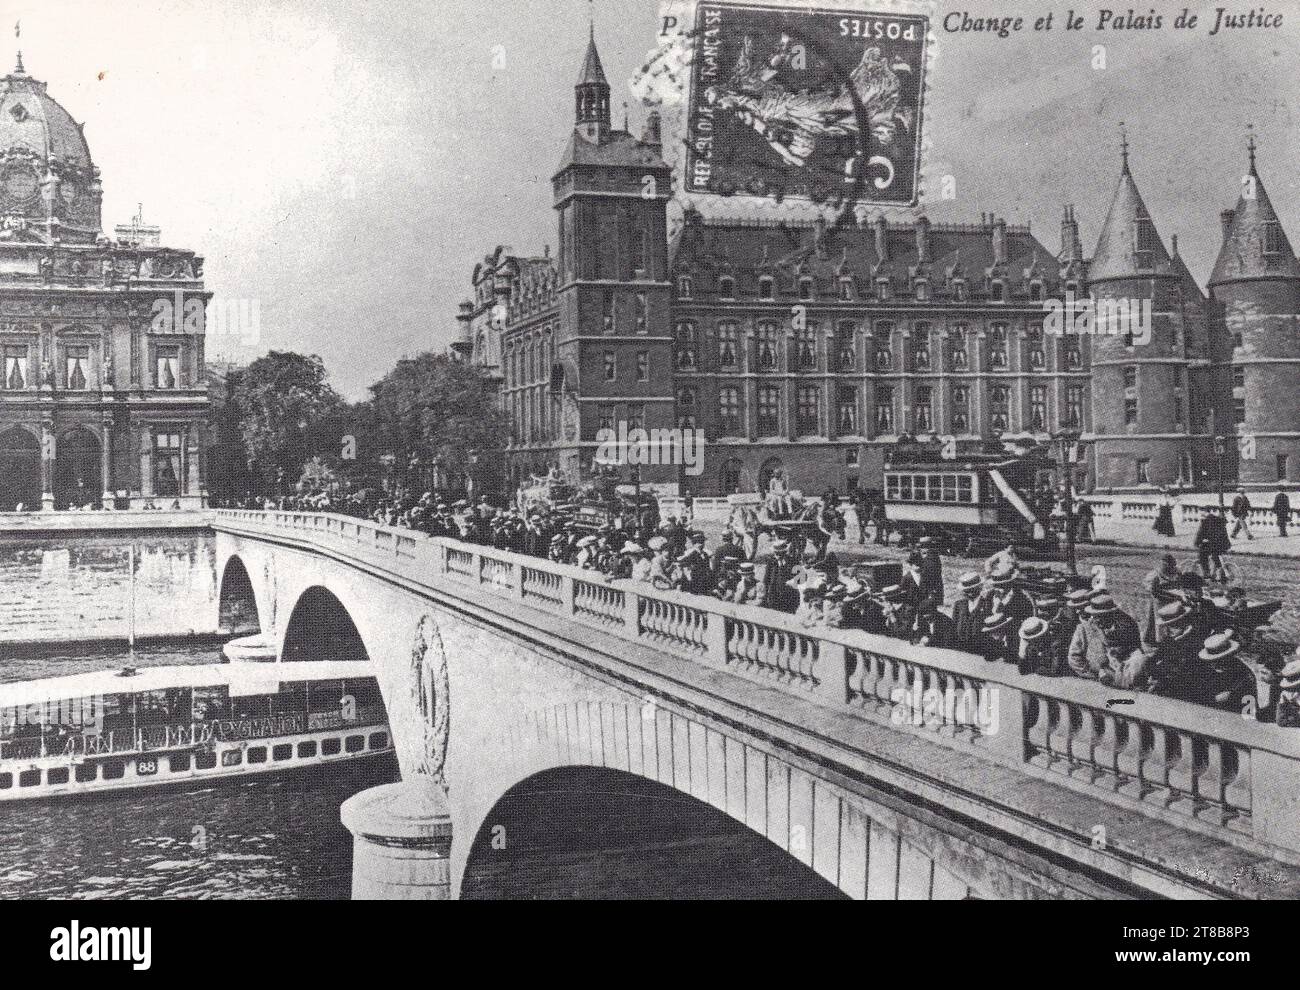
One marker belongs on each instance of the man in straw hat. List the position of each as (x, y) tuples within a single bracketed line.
[(1034, 654), (1125, 663), (746, 591), (899, 613), (931, 627), (1055, 645), (998, 630), (968, 614), (1213, 675)]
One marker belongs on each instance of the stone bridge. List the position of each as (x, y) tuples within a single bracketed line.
[(892, 771)]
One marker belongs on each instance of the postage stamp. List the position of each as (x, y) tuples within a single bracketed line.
[(804, 103)]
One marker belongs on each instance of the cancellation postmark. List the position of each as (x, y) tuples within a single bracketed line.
[(800, 103)]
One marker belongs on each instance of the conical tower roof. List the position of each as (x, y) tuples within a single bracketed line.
[(1242, 255), (592, 71), (1116, 255)]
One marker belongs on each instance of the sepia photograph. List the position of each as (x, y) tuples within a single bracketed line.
[(650, 450)]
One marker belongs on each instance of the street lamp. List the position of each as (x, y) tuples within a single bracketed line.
[(1219, 446), (1068, 438)]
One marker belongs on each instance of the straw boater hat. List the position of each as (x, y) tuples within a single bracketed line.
[(1049, 605), (1173, 614), (556, 539), (658, 543), (1033, 628), (835, 592), (1101, 604), (1220, 647), (925, 541), (630, 547), (996, 622), (586, 541), (970, 581), (1004, 576), (1078, 598), (1291, 674), (745, 568), (780, 546)]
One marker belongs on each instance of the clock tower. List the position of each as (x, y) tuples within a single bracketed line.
[(615, 344)]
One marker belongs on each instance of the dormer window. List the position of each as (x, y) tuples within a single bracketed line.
[(922, 290), (846, 288), (882, 289), (727, 287), (1035, 291), (1144, 237), (959, 289), (997, 291), (1272, 237), (805, 287), (685, 287), (765, 287)]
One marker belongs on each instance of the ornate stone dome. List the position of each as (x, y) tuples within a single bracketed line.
[(46, 173)]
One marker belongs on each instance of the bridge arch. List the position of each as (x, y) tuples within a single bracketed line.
[(857, 847), (237, 611), (592, 833), (320, 627)]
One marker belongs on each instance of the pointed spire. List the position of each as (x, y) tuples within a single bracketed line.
[(1127, 228), (1123, 147), (592, 71), (18, 69), (1254, 243), (1250, 146)]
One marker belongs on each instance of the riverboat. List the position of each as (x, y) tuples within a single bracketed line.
[(169, 725)]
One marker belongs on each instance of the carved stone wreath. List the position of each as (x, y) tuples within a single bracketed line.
[(430, 695)]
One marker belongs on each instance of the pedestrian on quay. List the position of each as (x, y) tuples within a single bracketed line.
[(1241, 515), (1165, 515), (1212, 541), (1282, 510), (968, 614)]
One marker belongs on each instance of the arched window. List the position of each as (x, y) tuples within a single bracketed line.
[(727, 287), (765, 287)]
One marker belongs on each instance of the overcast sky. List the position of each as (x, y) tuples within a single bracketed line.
[(346, 163)]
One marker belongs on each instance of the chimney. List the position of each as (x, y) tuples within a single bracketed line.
[(999, 241), (819, 236), (1070, 248), (652, 134), (1226, 218), (881, 226), (923, 240)]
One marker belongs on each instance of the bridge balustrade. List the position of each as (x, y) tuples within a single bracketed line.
[(1207, 770)]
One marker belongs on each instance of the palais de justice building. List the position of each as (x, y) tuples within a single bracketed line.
[(911, 329), (102, 400)]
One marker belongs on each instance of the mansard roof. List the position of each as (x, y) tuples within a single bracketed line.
[(1242, 255)]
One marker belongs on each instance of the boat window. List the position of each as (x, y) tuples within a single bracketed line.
[(57, 775), (950, 488), (178, 762), (114, 770), (211, 703), (257, 754), (29, 778), (356, 744), (306, 749), (232, 758), (964, 489), (117, 713), (936, 488), (378, 740), (6, 781), (905, 487), (283, 751), (330, 747), (205, 761), (86, 772)]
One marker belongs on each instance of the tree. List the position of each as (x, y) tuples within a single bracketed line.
[(288, 413), (437, 417)]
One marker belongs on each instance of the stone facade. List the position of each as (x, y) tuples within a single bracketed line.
[(102, 400), (815, 347)]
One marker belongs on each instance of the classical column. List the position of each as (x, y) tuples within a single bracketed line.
[(401, 841), (146, 475), (106, 462), (48, 452)]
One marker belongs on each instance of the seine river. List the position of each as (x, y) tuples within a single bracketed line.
[(282, 839)]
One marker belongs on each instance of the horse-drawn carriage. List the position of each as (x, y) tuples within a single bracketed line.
[(791, 518)]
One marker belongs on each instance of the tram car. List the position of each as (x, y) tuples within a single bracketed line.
[(972, 506)]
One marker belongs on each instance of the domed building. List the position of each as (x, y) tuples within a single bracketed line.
[(103, 401)]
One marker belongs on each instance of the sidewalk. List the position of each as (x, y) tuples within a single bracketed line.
[(1265, 544)]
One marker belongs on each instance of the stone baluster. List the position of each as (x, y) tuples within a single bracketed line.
[(1181, 772)]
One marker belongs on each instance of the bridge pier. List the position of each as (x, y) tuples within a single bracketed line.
[(401, 842)]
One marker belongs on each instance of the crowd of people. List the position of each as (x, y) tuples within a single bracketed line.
[(1186, 646)]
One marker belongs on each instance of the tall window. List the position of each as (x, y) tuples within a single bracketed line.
[(1000, 407), (643, 366), (77, 371), (846, 288), (728, 346), (686, 408), (845, 357), (806, 346), (1130, 411), (769, 411), (765, 287), (1038, 408), (686, 346), (1074, 406), (805, 287), (1239, 409), (1281, 467), (607, 311), (924, 416), (1272, 237), (729, 411), (881, 336), (848, 411), (921, 353), (1073, 359), (1146, 241), (611, 366), (604, 417), (642, 313), (767, 336), (1143, 471), (808, 407), (1179, 416), (998, 345), (167, 463), (960, 361), (884, 409), (1130, 376), (685, 287), (635, 416), (727, 287), (15, 375)]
